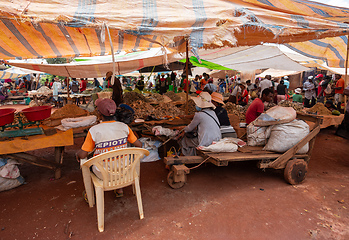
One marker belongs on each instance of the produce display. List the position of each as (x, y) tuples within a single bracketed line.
[(142, 109), (157, 97), (320, 109), (238, 110), (166, 110), (131, 97), (296, 106), (69, 111), (173, 96), (191, 107)]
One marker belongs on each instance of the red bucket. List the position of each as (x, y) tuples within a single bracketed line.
[(7, 115), (37, 113)]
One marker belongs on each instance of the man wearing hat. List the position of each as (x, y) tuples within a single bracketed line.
[(297, 97), (108, 135), (286, 82), (207, 124), (309, 94)]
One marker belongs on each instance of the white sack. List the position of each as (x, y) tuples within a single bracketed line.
[(276, 115), (285, 136), (257, 136), (68, 123), (223, 145)]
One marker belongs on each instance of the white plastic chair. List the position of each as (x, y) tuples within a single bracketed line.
[(119, 168)]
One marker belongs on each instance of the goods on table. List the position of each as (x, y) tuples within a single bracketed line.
[(320, 109), (336, 112), (166, 109), (182, 96), (142, 109), (191, 107), (157, 96), (173, 96), (131, 97), (68, 111), (237, 110), (44, 90), (276, 115), (296, 106)]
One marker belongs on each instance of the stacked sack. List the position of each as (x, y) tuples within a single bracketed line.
[(278, 129)]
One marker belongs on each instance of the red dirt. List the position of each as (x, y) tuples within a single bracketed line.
[(235, 202)]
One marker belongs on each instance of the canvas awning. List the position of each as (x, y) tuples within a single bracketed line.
[(330, 50), (14, 72), (252, 58), (66, 28), (276, 73), (98, 66)]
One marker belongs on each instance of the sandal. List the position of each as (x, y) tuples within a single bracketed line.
[(84, 195), (118, 195)]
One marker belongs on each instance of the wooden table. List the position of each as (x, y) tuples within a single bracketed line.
[(18, 147)]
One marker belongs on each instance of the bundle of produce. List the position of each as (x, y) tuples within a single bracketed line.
[(142, 109), (173, 96), (320, 109), (166, 110), (131, 97), (296, 106), (191, 107)]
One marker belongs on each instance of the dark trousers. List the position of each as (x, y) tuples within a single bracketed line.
[(309, 104)]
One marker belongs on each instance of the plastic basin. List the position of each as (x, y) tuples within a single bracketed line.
[(37, 113), (7, 116)]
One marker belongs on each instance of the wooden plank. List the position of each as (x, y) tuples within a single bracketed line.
[(239, 156), (38, 161), (183, 160), (58, 159)]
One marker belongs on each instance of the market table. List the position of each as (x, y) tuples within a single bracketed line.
[(19, 146), (330, 120)]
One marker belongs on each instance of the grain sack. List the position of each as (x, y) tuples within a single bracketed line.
[(276, 115), (285, 136), (223, 145), (257, 136)]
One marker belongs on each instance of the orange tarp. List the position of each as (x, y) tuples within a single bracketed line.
[(37, 142)]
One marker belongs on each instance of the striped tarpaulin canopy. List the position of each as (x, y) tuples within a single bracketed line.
[(71, 28), (330, 50)]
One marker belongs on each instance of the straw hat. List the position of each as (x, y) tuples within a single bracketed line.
[(108, 74), (203, 100), (217, 97), (298, 90)]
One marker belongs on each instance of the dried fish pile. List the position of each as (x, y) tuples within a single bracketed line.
[(173, 96), (142, 109), (238, 110), (182, 96), (68, 111), (295, 106), (44, 90), (320, 109), (131, 97), (191, 107), (166, 109)]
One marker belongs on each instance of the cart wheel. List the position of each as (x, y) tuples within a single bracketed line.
[(295, 171), (172, 183)]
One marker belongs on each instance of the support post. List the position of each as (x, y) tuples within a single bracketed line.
[(346, 72), (112, 55), (187, 75)]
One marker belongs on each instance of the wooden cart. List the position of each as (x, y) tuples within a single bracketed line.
[(295, 165)]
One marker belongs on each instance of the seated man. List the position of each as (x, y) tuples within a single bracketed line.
[(257, 106), (108, 135)]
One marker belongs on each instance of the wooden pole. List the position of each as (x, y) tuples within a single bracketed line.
[(112, 55), (346, 72), (187, 75)]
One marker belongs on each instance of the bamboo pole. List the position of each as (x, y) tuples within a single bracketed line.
[(187, 75), (346, 73), (112, 55)]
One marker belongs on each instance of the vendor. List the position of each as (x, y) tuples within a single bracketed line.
[(226, 129), (207, 124), (343, 129), (257, 106), (106, 136), (297, 97), (330, 106), (4, 91), (56, 90)]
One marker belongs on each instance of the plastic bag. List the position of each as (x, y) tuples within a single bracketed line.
[(276, 115), (285, 136), (152, 147)]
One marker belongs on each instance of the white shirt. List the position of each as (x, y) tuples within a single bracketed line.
[(265, 84), (236, 90), (309, 89)]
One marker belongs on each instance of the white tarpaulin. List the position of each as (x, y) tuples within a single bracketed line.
[(252, 58), (277, 73), (93, 68)]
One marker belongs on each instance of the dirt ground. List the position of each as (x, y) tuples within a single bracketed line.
[(235, 202)]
